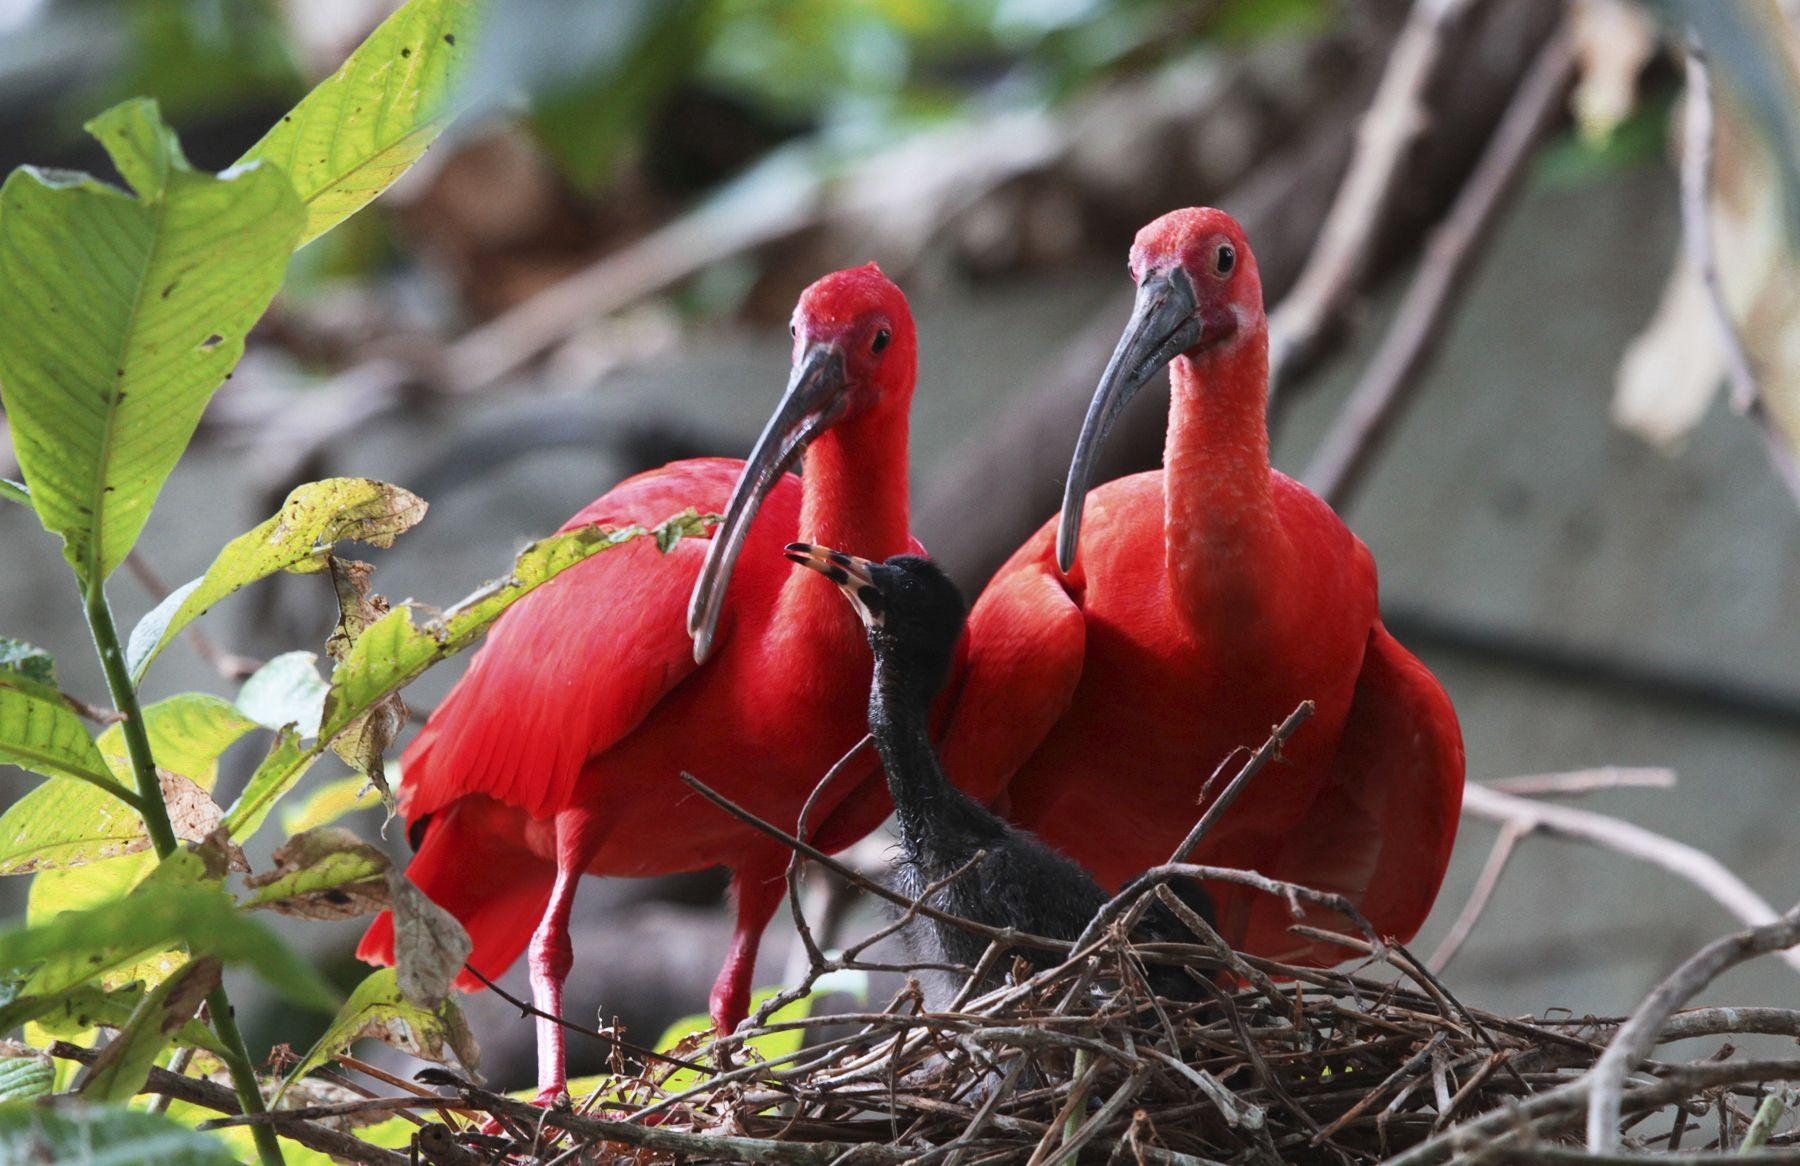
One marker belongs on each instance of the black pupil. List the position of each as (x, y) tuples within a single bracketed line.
[(881, 341), (1227, 259)]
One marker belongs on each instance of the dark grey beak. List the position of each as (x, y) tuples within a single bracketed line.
[(813, 401), (1162, 327)]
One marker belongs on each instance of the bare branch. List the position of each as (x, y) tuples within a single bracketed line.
[(1697, 241), (1692, 864), (1638, 1035), (1338, 265), (1451, 254)]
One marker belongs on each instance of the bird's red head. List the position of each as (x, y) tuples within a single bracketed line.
[(862, 316), (1208, 247), (855, 358), (1198, 293)]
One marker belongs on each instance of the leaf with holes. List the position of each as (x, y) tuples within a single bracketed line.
[(328, 873), (123, 315), (365, 125), (397, 648), (377, 1009), (314, 518)]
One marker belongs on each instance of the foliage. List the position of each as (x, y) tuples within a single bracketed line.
[(126, 311)]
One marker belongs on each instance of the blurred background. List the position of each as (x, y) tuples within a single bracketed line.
[(1491, 358)]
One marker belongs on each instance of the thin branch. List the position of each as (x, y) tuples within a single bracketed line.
[(611, 1039), (1584, 781), (1456, 244), (1692, 864), (1638, 1035), (1396, 118), (1697, 156), (1265, 752), (1001, 934), (1510, 835), (219, 1099)]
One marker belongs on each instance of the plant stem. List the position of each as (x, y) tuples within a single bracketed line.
[(137, 739), (243, 1074), (162, 837)]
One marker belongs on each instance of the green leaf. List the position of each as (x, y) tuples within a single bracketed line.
[(393, 651), (71, 1012), (30, 662), (25, 1076), (95, 1135), (377, 1009), (288, 690), (40, 732), (15, 492), (397, 649), (334, 800), (312, 519), (124, 1065), (328, 873), (123, 316), (77, 946), (366, 124), (188, 734), (287, 763), (64, 823)]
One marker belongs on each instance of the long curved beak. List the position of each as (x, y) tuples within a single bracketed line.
[(812, 403), (855, 577), (1162, 327)]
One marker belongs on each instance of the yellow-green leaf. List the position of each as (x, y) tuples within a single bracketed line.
[(365, 125), (377, 1009), (314, 518)]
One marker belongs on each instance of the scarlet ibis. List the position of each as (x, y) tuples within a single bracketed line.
[(559, 751), (998, 874), (1209, 599)]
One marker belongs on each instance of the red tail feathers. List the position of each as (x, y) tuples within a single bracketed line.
[(471, 865)]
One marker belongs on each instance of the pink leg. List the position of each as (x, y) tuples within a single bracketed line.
[(578, 839), (758, 888)]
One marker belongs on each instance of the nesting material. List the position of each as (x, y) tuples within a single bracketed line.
[(1374, 1063)]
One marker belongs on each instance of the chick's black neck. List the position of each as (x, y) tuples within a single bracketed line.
[(939, 824)]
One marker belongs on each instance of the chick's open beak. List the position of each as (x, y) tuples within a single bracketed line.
[(855, 577)]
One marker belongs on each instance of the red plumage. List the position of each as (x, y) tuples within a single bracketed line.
[(1209, 600), (561, 748)]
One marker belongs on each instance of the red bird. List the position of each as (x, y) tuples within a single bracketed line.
[(1211, 598), (559, 751)]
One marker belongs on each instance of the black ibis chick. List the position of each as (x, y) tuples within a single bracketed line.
[(914, 615)]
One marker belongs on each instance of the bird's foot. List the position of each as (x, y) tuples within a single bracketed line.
[(551, 1097)]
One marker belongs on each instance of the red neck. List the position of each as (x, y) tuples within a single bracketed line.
[(853, 499), (1219, 525), (853, 490)]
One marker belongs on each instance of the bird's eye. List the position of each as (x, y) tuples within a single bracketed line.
[(881, 341), (794, 331), (1225, 259)]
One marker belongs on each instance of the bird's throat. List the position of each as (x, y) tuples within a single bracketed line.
[(1219, 527)]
